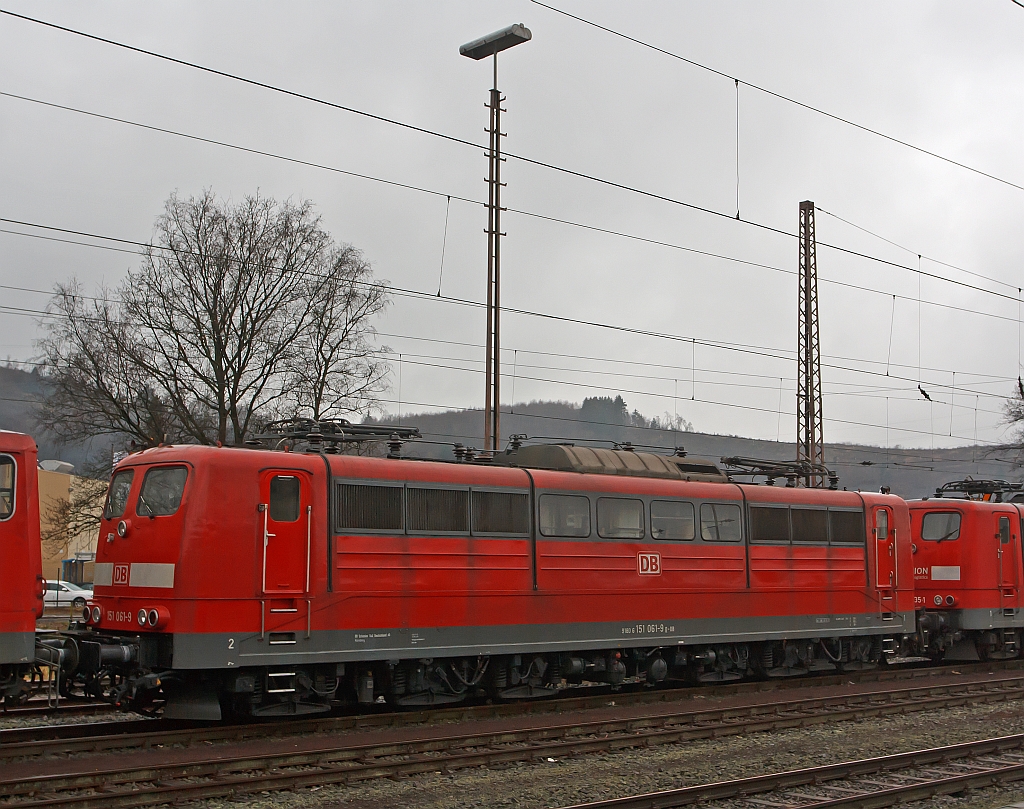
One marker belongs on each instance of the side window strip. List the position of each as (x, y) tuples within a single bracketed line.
[(564, 515)]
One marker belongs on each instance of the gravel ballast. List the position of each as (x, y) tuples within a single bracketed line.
[(590, 778)]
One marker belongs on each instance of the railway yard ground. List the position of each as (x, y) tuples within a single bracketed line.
[(614, 745)]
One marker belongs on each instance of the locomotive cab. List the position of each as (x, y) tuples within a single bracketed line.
[(131, 616), (968, 574), (194, 543)]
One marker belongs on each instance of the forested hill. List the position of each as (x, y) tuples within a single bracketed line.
[(19, 392), (602, 422)]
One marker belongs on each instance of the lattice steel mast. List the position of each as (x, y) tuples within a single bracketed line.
[(810, 440)]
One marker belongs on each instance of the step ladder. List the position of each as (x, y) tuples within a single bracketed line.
[(1010, 646)]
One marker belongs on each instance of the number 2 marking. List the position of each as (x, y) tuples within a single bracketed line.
[(231, 643)]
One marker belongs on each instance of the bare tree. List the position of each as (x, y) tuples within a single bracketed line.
[(95, 386), (238, 314), (1014, 410), (342, 371)]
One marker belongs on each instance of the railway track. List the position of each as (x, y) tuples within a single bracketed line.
[(98, 736), (154, 777), (41, 707), (868, 784)]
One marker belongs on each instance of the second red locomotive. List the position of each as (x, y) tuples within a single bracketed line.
[(968, 570)]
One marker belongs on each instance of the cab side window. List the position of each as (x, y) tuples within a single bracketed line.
[(161, 492), (117, 495), (1004, 530), (7, 475)]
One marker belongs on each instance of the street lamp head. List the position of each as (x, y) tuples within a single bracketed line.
[(498, 41)]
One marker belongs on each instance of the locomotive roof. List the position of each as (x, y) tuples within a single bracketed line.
[(16, 442), (597, 461)]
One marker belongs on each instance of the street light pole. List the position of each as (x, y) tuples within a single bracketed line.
[(491, 45)]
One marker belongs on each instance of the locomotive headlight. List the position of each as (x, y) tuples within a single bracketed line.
[(157, 617), (97, 613), (123, 527), (86, 613), (142, 617), (950, 601), (938, 601)]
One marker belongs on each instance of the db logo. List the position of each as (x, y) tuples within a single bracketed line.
[(121, 574), (648, 564)]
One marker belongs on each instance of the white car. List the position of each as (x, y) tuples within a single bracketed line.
[(62, 593)]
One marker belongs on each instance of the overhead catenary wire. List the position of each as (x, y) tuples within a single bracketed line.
[(554, 219), (692, 343), (465, 142), (443, 360), (913, 252), (782, 97), (718, 344)]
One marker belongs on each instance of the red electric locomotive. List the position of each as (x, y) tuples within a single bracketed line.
[(967, 570), (268, 582), (21, 578)]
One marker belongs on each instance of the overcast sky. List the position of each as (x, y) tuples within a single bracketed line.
[(947, 77)]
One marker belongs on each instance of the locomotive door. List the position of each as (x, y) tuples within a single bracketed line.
[(1008, 561), (287, 513), (885, 553)]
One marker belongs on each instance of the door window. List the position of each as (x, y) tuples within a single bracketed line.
[(1004, 530), (882, 524), (284, 498)]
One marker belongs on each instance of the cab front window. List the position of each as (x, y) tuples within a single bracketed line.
[(117, 497), (937, 526), (161, 491)]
